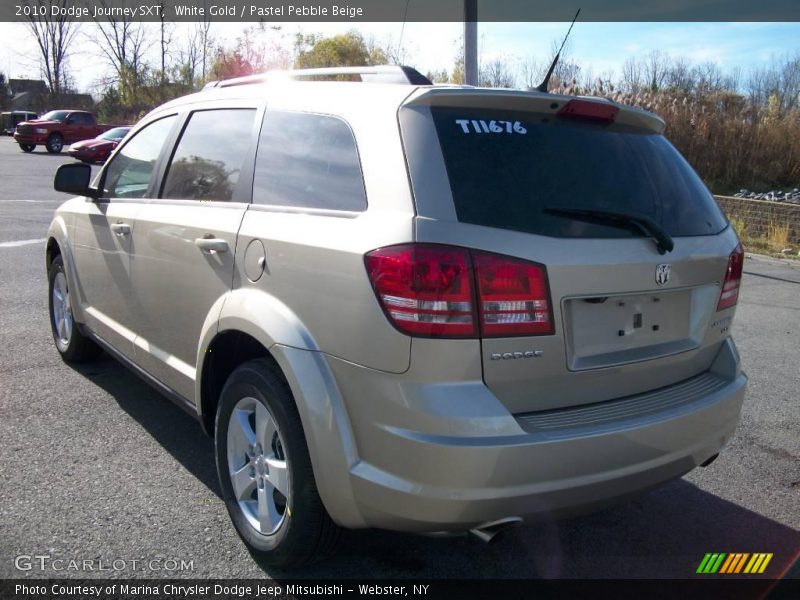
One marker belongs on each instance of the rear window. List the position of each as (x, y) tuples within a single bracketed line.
[(505, 168)]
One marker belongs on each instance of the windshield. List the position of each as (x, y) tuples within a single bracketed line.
[(511, 169), (55, 115), (115, 134)]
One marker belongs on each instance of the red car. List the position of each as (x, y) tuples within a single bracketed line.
[(98, 149)]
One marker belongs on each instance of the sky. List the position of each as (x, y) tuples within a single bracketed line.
[(601, 47)]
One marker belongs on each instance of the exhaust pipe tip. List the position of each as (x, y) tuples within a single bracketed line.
[(710, 460), (490, 532)]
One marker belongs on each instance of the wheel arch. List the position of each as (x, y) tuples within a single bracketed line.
[(52, 250), (253, 324), (58, 244)]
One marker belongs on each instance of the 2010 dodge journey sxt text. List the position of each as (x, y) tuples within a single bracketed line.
[(414, 307)]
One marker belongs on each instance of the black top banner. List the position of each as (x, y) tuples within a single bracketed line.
[(357, 11)]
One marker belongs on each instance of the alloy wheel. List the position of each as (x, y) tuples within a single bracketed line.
[(62, 311), (258, 466)]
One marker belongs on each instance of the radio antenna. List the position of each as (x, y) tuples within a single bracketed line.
[(543, 86)]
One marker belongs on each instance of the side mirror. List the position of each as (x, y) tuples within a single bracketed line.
[(74, 179)]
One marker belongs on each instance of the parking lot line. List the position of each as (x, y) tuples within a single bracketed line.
[(22, 243)]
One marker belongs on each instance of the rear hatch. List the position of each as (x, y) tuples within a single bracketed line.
[(634, 246)]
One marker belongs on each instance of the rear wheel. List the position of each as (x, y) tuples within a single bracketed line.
[(70, 342), (265, 470), (55, 143), (27, 147)]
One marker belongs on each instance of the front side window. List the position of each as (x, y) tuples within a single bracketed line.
[(210, 155), (128, 175), (308, 161)]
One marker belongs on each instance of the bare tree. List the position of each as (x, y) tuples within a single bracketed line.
[(679, 76), (189, 59), (632, 75), (205, 41), (54, 36), (532, 72), (123, 44), (655, 68), (166, 30), (497, 74)]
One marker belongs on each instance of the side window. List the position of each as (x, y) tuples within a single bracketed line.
[(309, 161), (209, 155), (73, 119), (128, 175), (88, 119)]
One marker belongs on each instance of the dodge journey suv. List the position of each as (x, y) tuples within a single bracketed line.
[(421, 308)]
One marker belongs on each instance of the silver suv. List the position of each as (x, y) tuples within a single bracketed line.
[(405, 306)]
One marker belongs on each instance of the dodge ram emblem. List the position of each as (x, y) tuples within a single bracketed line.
[(662, 274)]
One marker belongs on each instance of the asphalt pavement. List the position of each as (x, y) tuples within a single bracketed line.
[(95, 465)]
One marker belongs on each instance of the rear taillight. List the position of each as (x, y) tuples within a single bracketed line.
[(433, 290), (425, 289), (733, 278), (513, 296)]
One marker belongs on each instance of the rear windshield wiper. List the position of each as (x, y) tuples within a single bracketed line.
[(646, 225)]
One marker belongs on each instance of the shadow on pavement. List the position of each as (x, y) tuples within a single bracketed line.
[(176, 431), (662, 534)]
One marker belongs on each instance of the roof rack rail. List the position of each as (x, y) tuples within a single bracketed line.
[(380, 74)]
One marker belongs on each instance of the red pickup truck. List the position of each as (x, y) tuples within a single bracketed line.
[(57, 129)]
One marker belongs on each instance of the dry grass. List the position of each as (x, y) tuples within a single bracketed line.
[(771, 243), (730, 141), (778, 234), (740, 225)]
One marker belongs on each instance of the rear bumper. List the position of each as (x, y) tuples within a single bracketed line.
[(449, 480)]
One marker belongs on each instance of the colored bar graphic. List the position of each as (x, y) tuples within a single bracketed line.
[(722, 563), (711, 563), (734, 563), (758, 563), (741, 562), (703, 563)]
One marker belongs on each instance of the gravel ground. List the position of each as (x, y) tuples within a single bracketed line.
[(95, 465)]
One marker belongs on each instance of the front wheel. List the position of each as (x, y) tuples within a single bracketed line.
[(73, 346), (265, 470), (55, 143), (27, 148)]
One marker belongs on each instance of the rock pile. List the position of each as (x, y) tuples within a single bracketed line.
[(792, 197)]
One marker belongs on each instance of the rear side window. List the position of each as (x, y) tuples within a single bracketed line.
[(209, 156), (506, 168), (308, 161), (128, 174)]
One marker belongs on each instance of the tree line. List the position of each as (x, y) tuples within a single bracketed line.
[(736, 128)]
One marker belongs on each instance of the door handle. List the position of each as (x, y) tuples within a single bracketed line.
[(211, 244), (120, 229)]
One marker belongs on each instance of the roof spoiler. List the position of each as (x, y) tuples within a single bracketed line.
[(396, 74)]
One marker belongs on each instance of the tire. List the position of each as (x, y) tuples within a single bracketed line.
[(295, 528), (55, 143), (27, 148), (73, 346)]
